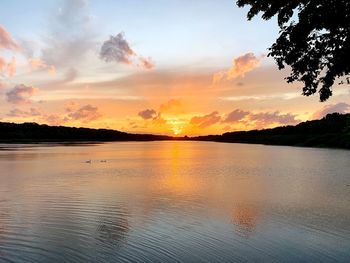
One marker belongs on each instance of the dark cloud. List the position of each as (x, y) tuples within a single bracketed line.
[(206, 120), (236, 115), (339, 107), (21, 94), (117, 49), (148, 114)]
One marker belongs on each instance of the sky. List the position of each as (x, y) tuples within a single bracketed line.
[(168, 67)]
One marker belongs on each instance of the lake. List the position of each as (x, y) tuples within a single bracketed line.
[(173, 201)]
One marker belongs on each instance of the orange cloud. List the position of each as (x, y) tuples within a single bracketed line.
[(8, 68), (172, 106), (240, 66), (206, 120), (11, 67), (6, 40)]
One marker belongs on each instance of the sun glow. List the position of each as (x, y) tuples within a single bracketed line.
[(177, 125)]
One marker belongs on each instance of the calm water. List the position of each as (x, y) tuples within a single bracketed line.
[(173, 202)]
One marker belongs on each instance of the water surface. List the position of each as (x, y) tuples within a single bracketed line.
[(173, 202)]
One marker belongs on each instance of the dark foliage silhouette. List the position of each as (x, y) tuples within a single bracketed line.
[(314, 40), (331, 131)]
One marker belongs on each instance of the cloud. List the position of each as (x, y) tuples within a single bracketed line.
[(21, 94), (11, 67), (218, 76), (70, 36), (146, 63), (33, 112), (245, 118), (240, 66), (236, 115), (117, 49), (39, 64), (85, 113), (206, 120), (267, 118), (54, 119), (6, 40), (70, 75), (339, 107), (8, 68), (3, 65), (171, 106), (148, 114)]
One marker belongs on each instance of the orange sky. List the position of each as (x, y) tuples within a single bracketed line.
[(69, 73)]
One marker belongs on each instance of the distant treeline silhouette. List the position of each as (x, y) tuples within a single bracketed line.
[(33, 132), (331, 131)]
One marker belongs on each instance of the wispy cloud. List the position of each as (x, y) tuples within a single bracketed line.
[(70, 36), (146, 63), (39, 64)]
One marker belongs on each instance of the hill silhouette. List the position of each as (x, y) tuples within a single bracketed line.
[(331, 131)]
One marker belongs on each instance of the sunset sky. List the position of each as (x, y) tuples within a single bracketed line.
[(168, 67)]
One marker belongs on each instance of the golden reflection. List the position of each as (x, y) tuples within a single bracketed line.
[(179, 181)]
